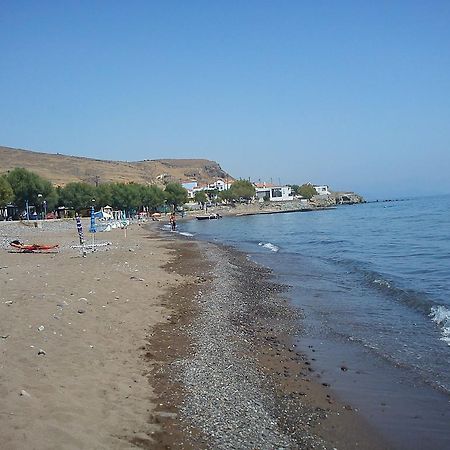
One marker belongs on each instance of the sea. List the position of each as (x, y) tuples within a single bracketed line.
[(373, 284)]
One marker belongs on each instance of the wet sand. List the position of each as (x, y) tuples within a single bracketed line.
[(118, 350)]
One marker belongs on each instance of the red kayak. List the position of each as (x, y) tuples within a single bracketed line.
[(32, 247)]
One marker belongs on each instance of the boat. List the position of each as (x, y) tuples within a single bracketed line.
[(209, 217)]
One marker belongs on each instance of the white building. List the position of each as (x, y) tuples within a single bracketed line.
[(273, 193), (220, 185), (322, 190)]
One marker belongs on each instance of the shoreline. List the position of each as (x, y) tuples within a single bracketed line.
[(306, 414), (124, 328)]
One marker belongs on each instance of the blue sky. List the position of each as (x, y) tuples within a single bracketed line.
[(352, 94)]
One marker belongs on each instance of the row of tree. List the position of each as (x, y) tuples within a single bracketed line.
[(23, 187)]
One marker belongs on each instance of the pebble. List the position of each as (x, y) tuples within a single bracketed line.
[(41, 352), (24, 393), (137, 279), (227, 396)]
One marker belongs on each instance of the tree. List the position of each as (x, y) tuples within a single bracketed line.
[(175, 194), (30, 187), (152, 197), (6, 192), (225, 195), (307, 190), (103, 195), (200, 197), (295, 188), (241, 189), (125, 196), (212, 194), (77, 195)]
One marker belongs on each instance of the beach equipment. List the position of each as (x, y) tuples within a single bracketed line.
[(92, 228), (80, 235), (103, 215), (32, 248)]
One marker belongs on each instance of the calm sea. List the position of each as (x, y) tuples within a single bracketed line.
[(373, 282)]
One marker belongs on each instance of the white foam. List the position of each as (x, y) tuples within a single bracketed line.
[(185, 233), (269, 246), (382, 283), (441, 316)]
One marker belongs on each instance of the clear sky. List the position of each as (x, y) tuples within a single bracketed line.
[(354, 94)]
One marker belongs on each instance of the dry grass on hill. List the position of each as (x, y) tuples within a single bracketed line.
[(62, 169)]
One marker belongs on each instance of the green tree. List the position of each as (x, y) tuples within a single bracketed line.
[(225, 195), (125, 196), (200, 197), (213, 194), (152, 197), (77, 195), (242, 189), (103, 195), (6, 192), (175, 194), (307, 190), (295, 188), (28, 186)]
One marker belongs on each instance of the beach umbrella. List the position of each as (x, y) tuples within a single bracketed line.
[(92, 228)]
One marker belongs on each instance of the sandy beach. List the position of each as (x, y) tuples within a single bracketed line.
[(154, 341), (72, 373)]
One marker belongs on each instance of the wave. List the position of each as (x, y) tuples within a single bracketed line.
[(387, 286), (185, 233), (382, 282), (417, 300), (441, 316), (269, 246)]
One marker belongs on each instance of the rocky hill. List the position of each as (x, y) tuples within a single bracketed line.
[(62, 169)]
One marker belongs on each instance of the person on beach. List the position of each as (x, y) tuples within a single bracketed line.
[(173, 221)]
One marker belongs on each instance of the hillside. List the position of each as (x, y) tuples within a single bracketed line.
[(62, 169)]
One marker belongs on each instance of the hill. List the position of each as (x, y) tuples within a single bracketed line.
[(62, 169)]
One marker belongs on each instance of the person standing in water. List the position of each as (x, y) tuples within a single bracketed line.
[(173, 222)]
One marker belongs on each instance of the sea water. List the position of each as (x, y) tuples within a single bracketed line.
[(373, 282)]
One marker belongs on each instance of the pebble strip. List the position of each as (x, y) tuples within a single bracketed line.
[(227, 396)]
